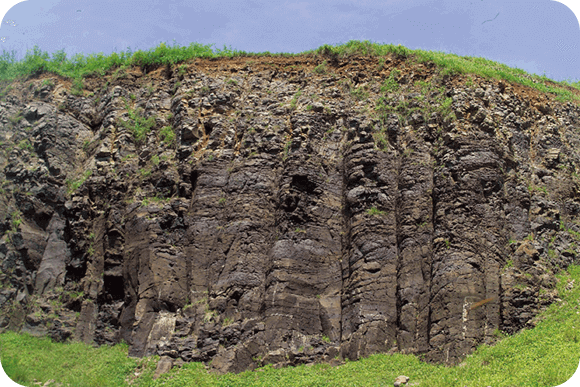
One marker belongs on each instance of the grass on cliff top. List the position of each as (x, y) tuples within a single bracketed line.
[(37, 61), (547, 355)]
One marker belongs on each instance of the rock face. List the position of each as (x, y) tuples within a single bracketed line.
[(284, 210)]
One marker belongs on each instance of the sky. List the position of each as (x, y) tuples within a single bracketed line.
[(538, 36)]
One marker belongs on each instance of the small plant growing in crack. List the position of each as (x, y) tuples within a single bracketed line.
[(209, 315), (286, 150), (375, 211), (321, 68), (294, 100), (138, 125)]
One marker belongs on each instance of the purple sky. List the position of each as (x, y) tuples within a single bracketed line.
[(539, 36)]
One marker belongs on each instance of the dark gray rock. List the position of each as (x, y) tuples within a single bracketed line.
[(292, 220)]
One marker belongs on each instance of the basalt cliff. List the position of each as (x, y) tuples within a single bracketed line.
[(284, 210)]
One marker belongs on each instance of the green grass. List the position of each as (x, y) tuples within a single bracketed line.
[(79, 66), (167, 135), (144, 172), (74, 184), (547, 355), (375, 211), (25, 358), (25, 144), (137, 124)]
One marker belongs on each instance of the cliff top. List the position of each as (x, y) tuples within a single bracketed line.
[(79, 67)]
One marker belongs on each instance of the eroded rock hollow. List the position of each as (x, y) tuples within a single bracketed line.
[(284, 210)]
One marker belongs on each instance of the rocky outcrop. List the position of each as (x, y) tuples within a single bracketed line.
[(284, 210)]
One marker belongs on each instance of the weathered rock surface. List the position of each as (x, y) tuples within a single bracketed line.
[(276, 215)]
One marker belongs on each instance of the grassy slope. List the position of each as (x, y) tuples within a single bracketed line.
[(547, 355), (36, 61)]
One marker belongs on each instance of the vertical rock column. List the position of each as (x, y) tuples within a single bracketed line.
[(415, 228), (370, 261), (230, 231), (468, 247), (92, 284), (138, 315), (303, 280), (155, 280), (52, 268), (244, 236)]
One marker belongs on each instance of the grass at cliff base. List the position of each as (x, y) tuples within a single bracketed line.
[(547, 355), (27, 359)]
